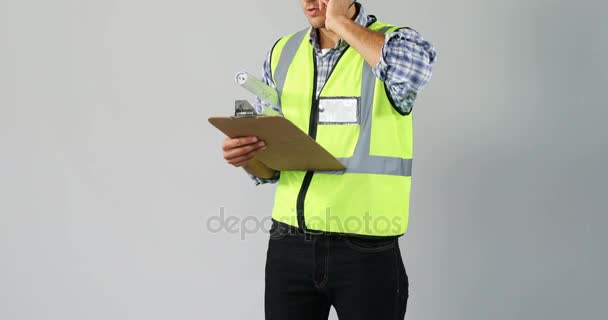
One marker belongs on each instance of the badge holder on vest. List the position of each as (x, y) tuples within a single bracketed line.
[(287, 147)]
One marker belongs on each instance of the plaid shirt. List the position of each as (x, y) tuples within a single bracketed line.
[(405, 66)]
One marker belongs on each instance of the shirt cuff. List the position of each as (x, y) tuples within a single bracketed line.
[(381, 68), (258, 181)]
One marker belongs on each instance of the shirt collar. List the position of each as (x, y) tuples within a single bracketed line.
[(361, 19)]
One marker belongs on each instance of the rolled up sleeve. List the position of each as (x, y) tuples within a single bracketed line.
[(405, 66)]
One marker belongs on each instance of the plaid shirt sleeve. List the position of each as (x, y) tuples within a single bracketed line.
[(405, 67), (267, 79)]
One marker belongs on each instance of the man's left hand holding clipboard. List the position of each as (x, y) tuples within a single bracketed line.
[(241, 151)]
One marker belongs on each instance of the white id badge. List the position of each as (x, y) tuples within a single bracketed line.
[(339, 110)]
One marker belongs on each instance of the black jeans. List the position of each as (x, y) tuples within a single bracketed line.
[(306, 274)]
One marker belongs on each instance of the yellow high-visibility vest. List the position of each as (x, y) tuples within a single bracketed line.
[(372, 196)]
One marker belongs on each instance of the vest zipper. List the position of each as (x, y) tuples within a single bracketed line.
[(312, 132)]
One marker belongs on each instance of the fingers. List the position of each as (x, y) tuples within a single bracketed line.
[(240, 150), (323, 4), (230, 143), (243, 161), (242, 158)]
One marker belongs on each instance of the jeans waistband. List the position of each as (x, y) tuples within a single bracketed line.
[(280, 229)]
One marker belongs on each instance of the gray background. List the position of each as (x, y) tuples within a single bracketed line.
[(109, 170)]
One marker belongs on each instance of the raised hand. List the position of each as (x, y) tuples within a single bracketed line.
[(336, 10)]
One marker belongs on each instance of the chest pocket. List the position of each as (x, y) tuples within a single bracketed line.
[(338, 128), (339, 110)]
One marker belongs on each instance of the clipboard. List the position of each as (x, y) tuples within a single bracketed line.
[(287, 147)]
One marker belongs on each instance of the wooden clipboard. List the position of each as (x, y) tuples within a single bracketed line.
[(288, 147)]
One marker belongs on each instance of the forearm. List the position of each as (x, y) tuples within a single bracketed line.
[(365, 41)]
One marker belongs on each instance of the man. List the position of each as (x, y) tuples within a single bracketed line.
[(350, 81)]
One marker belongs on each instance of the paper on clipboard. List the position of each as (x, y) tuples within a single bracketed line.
[(258, 88)]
